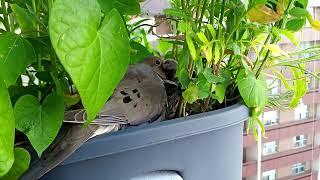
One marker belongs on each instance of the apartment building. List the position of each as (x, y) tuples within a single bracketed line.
[(292, 147)]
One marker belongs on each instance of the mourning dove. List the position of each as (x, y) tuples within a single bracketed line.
[(139, 98)]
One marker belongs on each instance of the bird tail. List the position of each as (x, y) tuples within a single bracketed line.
[(70, 138)]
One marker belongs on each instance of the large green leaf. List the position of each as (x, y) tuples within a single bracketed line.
[(7, 126), (94, 51), (128, 7), (254, 91), (41, 123), (21, 164), (16, 54)]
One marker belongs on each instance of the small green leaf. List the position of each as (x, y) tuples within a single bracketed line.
[(182, 70), (304, 3), (220, 93), (295, 24), (262, 14), (290, 35), (300, 86), (191, 47), (179, 13), (212, 31), (21, 164), (16, 54), (203, 38), (164, 47), (94, 51), (41, 123), (7, 124), (27, 21), (298, 12), (210, 77), (315, 24), (253, 91), (138, 52), (191, 94), (127, 7), (182, 26)]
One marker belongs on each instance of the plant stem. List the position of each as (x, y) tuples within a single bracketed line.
[(262, 49), (212, 11), (183, 3), (221, 16), (202, 13), (198, 9), (281, 26), (5, 15)]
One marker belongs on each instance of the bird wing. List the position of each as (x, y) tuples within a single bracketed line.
[(79, 117)]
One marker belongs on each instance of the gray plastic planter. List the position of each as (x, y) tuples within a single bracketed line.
[(206, 146)]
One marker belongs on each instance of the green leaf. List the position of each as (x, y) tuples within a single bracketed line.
[(7, 125), (298, 12), (164, 46), (40, 123), (220, 93), (191, 94), (138, 52), (21, 164), (210, 77), (191, 47), (262, 14), (127, 7), (182, 26), (304, 3), (295, 24), (253, 91), (179, 13), (203, 38), (16, 54), (315, 24), (290, 35), (300, 86), (182, 69), (27, 21), (211, 30), (95, 52)]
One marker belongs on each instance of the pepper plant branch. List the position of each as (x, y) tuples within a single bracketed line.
[(281, 26)]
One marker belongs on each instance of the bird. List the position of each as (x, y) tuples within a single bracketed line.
[(140, 98)]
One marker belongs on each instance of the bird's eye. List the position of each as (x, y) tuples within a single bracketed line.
[(158, 62)]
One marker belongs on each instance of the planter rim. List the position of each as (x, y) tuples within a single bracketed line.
[(159, 132)]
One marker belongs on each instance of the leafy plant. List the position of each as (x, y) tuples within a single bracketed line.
[(52, 55), (230, 46)]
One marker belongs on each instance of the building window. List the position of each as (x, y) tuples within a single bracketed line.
[(270, 118), (270, 148), (300, 141), (301, 112), (298, 168), (274, 86), (269, 175)]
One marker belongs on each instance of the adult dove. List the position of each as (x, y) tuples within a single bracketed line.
[(139, 98)]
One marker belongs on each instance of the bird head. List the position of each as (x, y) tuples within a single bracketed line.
[(156, 64)]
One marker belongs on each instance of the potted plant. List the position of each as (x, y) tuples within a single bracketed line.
[(223, 48)]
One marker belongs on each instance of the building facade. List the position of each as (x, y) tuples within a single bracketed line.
[(292, 147)]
